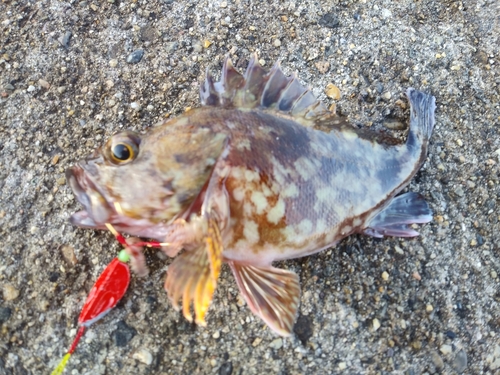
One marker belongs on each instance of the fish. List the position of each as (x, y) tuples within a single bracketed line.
[(261, 172)]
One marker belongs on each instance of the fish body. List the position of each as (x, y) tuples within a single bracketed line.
[(247, 179)]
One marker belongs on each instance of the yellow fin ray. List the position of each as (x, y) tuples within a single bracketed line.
[(193, 275)]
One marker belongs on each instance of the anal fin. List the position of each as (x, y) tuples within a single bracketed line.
[(193, 276), (271, 293), (394, 220)]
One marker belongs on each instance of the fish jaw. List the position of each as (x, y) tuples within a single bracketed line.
[(96, 211)]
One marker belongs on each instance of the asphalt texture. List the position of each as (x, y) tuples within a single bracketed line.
[(74, 73)]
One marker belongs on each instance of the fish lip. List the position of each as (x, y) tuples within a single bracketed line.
[(84, 188)]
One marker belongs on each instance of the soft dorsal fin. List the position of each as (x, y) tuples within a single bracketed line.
[(258, 88)]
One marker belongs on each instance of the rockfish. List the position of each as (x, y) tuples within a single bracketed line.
[(248, 179)]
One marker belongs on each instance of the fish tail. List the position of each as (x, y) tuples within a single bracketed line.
[(422, 107)]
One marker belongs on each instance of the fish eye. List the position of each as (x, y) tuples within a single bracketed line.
[(122, 152), (122, 148)]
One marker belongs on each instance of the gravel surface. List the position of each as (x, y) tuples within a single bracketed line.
[(73, 73)]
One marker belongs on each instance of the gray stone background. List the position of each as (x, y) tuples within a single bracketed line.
[(420, 306)]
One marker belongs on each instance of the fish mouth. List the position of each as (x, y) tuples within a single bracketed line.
[(97, 211)]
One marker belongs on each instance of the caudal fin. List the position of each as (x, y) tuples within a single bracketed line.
[(396, 218), (422, 107)]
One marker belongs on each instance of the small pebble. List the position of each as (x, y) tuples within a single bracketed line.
[(223, 4), (398, 250), (437, 360), (276, 344), (332, 91), (10, 293), (342, 366), (429, 308), (65, 39), (400, 104), (113, 63), (460, 361), (5, 314), (171, 46), (43, 83), (385, 276), (493, 274), (226, 368), (329, 20), (386, 13), (31, 88), (123, 334), (68, 254), (144, 356), (135, 106), (451, 335), (386, 95), (277, 43), (322, 66), (394, 124), (445, 349), (375, 324), (135, 56), (55, 159), (256, 342), (61, 89), (216, 335)]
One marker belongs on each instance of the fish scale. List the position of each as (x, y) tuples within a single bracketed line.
[(248, 179)]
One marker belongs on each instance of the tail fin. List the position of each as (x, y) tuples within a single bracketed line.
[(421, 118), (396, 218)]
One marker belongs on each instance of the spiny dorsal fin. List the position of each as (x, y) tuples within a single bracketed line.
[(259, 88)]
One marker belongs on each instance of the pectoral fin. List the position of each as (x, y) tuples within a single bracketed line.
[(193, 276), (271, 293)]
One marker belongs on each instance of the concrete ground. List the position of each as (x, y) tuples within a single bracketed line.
[(393, 306)]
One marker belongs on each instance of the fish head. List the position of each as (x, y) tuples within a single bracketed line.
[(135, 182)]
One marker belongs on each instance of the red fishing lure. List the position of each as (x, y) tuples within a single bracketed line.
[(106, 292)]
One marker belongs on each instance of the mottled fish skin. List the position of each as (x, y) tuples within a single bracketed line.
[(248, 180), (291, 190)]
